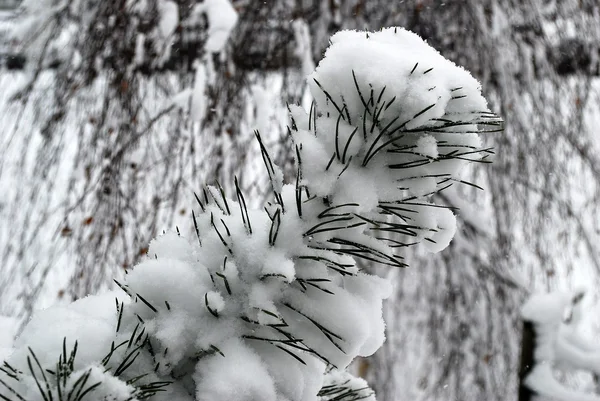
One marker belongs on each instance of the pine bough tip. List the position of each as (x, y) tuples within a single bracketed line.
[(271, 304)]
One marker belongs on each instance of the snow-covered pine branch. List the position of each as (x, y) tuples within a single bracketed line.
[(270, 304)]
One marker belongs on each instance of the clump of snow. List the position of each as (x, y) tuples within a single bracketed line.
[(355, 388), (84, 321), (542, 381), (222, 18), (427, 146), (164, 36), (425, 84), (559, 343), (238, 374), (169, 18)]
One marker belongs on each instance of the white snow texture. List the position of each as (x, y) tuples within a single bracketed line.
[(560, 343), (264, 302)]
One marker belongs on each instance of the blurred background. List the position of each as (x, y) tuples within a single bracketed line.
[(113, 112)]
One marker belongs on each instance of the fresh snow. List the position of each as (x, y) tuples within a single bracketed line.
[(222, 18), (8, 331), (265, 300), (560, 343)]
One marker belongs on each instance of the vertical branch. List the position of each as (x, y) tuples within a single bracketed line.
[(527, 360)]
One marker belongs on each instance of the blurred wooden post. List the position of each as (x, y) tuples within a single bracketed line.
[(527, 360)]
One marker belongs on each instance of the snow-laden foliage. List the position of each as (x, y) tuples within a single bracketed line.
[(270, 304), (559, 344), (143, 31), (534, 225)]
